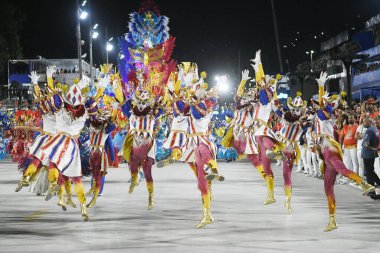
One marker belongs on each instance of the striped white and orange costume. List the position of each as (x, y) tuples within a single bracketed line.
[(139, 147), (142, 128), (98, 138), (198, 132), (244, 140), (178, 131), (63, 150), (49, 129)]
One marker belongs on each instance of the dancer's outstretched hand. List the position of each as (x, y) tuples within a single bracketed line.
[(245, 75), (322, 79), (34, 77), (257, 59), (104, 81), (50, 70)]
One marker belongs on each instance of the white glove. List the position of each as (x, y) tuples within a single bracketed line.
[(115, 105), (34, 77), (257, 59), (180, 73), (104, 81), (50, 70), (322, 79), (245, 75), (83, 83), (326, 95), (115, 83)]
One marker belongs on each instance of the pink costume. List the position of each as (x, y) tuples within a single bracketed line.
[(241, 131), (293, 125), (142, 116), (264, 135), (330, 151)]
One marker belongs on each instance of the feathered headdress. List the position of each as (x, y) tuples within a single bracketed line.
[(146, 50)]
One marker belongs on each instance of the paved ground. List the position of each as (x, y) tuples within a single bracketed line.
[(120, 221)]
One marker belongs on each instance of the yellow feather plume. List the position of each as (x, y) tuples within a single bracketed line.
[(99, 93)]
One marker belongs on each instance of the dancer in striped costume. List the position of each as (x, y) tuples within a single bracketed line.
[(102, 124), (240, 134), (268, 144), (200, 149), (63, 150), (294, 122), (179, 109), (47, 105), (330, 150), (142, 111)]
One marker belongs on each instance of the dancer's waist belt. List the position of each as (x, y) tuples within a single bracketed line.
[(179, 131), (261, 122), (96, 146), (197, 134), (69, 135), (141, 131), (242, 126), (47, 133)]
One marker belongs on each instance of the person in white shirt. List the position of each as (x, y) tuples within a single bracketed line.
[(359, 136)]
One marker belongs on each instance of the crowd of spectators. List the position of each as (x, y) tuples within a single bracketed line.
[(357, 130), (65, 71), (360, 69)]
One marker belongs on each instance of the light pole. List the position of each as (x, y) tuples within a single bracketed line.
[(277, 36), (93, 35), (311, 52), (81, 14), (109, 48)]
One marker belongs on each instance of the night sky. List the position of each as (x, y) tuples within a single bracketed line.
[(210, 33)]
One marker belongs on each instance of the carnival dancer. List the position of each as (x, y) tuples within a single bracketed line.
[(145, 69), (142, 111), (294, 122), (177, 138), (63, 150), (268, 145), (330, 151), (47, 106), (102, 124), (240, 134), (199, 146)]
